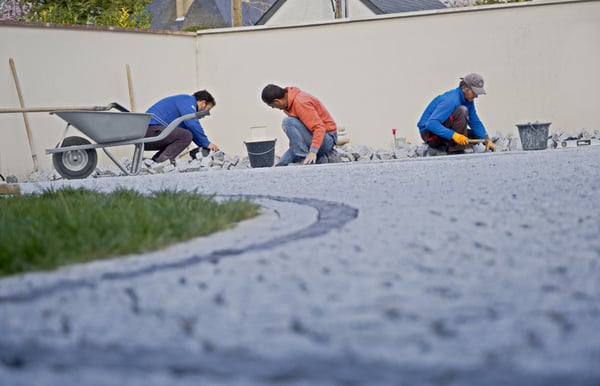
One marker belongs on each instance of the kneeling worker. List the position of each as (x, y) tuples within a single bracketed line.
[(443, 125), (167, 110), (309, 126)]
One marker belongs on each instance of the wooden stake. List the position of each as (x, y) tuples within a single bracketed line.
[(10, 188), (25, 119), (130, 86), (338, 9), (236, 13), (50, 109)]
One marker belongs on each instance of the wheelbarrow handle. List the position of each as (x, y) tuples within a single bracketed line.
[(171, 126), (117, 106), (202, 114), (478, 140)]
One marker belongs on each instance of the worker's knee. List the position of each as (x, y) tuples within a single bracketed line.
[(184, 136), (188, 136), (291, 123), (460, 112)]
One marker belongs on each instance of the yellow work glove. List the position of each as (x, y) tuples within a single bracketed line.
[(489, 146), (460, 139)]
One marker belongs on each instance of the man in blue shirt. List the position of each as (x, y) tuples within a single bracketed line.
[(443, 125), (167, 110)]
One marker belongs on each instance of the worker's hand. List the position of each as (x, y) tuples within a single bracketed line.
[(213, 147), (489, 146), (460, 139), (311, 158)]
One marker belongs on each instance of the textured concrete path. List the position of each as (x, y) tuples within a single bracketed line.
[(462, 270)]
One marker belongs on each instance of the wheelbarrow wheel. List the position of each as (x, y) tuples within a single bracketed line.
[(74, 164)]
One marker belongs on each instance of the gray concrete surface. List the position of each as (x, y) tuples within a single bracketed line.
[(480, 269)]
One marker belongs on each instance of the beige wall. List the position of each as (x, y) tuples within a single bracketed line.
[(540, 61), (77, 67)]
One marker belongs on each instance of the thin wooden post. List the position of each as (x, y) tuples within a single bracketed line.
[(130, 87), (25, 119), (236, 13)]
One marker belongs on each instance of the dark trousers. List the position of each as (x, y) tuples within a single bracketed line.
[(457, 122), (170, 146)]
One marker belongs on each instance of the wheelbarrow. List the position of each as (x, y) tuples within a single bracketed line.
[(75, 157)]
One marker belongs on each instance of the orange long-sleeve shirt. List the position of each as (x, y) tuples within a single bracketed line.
[(312, 113)]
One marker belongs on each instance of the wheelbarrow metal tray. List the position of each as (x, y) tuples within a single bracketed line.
[(106, 126)]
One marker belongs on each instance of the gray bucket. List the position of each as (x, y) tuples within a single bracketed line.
[(534, 136), (261, 153)]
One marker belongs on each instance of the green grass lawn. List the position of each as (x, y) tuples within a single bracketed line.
[(59, 227)]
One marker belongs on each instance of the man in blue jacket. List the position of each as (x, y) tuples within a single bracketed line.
[(445, 122), (167, 110)]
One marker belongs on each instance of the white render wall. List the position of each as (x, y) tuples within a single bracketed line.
[(69, 67), (540, 61)]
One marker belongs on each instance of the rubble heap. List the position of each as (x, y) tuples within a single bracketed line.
[(217, 161)]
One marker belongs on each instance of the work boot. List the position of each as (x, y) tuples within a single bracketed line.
[(322, 159), (333, 157), (199, 152), (456, 149), (433, 152), (287, 158)]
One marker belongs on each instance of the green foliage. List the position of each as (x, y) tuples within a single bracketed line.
[(115, 13), (58, 227), (14, 10), (195, 28)]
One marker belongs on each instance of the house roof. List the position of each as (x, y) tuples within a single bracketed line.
[(210, 13), (378, 7), (200, 13), (205, 13), (163, 14), (270, 12), (251, 11)]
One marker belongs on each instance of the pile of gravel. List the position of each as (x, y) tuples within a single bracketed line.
[(218, 161)]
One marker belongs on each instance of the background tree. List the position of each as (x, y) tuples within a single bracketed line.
[(116, 13)]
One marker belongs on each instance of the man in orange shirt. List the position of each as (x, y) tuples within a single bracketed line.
[(308, 125)]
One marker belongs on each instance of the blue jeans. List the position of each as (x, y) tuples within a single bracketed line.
[(300, 139)]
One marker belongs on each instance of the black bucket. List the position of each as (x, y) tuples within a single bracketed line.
[(534, 136), (261, 153)]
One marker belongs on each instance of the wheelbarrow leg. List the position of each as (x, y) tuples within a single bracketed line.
[(136, 163), (138, 153), (113, 159)]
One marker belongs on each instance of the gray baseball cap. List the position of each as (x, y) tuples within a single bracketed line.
[(474, 82)]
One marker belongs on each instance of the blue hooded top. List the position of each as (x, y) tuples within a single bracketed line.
[(440, 109), (173, 107)]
